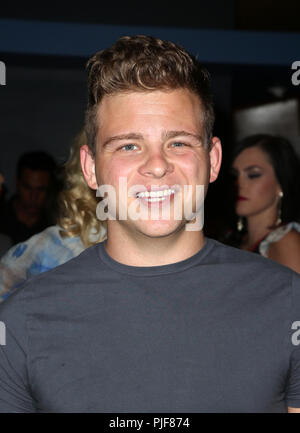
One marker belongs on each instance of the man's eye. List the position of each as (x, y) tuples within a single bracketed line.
[(129, 147), (178, 144)]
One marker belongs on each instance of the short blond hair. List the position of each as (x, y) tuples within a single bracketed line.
[(145, 63)]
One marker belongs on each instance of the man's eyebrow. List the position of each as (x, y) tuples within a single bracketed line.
[(173, 134), (166, 135), (129, 136)]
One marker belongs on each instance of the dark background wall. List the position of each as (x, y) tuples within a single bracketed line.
[(42, 105), (40, 109)]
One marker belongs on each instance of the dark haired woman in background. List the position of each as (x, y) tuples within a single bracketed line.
[(266, 172)]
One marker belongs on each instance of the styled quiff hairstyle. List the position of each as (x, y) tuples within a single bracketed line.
[(144, 63)]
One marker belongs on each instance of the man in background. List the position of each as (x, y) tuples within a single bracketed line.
[(29, 211)]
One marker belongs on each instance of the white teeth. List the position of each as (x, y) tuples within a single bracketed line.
[(155, 194), (154, 199)]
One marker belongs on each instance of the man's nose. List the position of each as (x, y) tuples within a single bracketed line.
[(156, 165)]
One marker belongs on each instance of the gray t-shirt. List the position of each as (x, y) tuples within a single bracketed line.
[(212, 333)]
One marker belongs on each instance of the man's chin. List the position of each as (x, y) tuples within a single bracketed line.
[(159, 229)]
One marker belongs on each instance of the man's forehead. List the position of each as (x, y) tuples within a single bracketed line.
[(180, 106), (156, 95)]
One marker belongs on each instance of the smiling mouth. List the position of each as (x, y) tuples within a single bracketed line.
[(156, 196)]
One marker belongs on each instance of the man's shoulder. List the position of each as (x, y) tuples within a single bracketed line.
[(77, 267), (57, 286), (241, 259), (250, 275)]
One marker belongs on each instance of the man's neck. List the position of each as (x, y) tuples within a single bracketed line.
[(142, 250)]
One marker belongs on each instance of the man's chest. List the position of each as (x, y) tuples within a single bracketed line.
[(161, 360)]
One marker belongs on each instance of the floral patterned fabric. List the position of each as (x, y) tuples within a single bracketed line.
[(38, 254)]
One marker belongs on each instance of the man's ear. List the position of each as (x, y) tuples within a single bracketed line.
[(88, 166), (215, 156)]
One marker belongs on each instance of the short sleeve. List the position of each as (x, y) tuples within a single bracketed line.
[(15, 395), (293, 388)]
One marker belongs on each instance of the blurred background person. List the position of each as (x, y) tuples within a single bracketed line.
[(32, 208), (77, 228), (266, 171), (5, 241)]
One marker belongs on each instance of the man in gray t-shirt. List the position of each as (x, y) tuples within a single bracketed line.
[(157, 318), (200, 335)]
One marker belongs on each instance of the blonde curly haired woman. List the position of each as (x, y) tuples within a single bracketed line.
[(77, 228)]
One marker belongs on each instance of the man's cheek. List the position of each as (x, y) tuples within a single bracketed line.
[(109, 172)]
